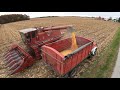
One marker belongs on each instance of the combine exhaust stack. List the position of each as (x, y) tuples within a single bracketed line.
[(16, 59)]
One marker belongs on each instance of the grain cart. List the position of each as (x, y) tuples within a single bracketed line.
[(64, 65)]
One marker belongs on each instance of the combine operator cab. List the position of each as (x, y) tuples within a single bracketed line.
[(28, 35), (34, 38)]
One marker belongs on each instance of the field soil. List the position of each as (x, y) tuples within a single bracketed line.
[(100, 31)]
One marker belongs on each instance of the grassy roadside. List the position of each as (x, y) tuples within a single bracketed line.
[(103, 66)]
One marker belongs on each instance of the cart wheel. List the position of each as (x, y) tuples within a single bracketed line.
[(93, 54), (72, 73), (89, 57), (66, 76)]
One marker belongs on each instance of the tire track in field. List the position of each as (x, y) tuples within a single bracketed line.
[(3, 33), (14, 34), (7, 35)]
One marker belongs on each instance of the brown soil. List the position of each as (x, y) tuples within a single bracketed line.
[(98, 30)]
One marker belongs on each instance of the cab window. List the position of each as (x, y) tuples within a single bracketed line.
[(33, 34), (22, 36), (28, 35)]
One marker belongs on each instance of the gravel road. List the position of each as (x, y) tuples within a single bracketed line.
[(116, 72)]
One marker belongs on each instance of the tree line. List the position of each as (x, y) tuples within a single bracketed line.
[(13, 18)]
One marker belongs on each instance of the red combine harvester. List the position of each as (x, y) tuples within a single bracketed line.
[(17, 59), (44, 42)]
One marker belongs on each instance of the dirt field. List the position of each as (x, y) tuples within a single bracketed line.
[(98, 30)]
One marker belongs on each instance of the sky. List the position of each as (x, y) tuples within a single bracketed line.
[(88, 14)]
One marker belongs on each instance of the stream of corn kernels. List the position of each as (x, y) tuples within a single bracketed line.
[(73, 46)]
